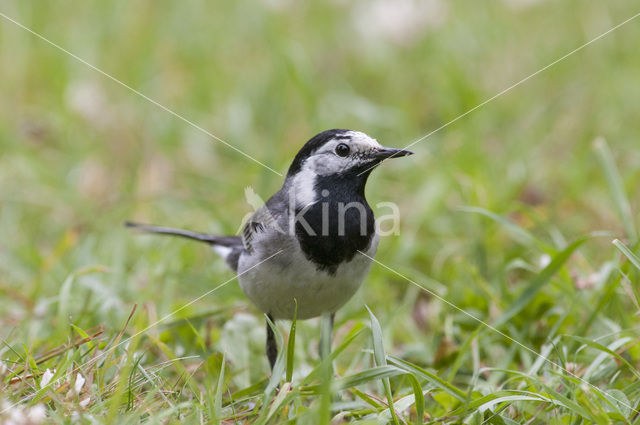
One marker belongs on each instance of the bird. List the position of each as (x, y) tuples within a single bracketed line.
[(307, 250)]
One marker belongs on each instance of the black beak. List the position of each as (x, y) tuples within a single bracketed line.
[(386, 153)]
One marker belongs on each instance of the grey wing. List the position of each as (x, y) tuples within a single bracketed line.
[(267, 223)]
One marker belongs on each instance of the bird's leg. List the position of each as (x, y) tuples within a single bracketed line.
[(272, 346), (325, 335)]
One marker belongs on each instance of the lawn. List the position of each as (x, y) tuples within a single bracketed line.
[(509, 295)]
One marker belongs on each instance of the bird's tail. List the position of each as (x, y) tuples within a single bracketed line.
[(202, 237), (228, 247)]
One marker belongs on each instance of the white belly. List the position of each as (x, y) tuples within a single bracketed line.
[(274, 284)]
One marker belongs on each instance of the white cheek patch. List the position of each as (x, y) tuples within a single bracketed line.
[(304, 185), (328, 163)]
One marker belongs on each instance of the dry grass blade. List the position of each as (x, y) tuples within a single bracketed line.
[(58, 351)]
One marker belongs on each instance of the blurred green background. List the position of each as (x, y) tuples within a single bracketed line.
[(80, 154)]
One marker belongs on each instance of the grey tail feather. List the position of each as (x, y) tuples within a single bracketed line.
[(228, 241)]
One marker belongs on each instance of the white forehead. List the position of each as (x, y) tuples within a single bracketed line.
[(362, 140)]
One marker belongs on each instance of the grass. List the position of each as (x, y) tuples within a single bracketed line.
[(510, 294)]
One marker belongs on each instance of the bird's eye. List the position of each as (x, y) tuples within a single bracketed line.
[(342, 150)]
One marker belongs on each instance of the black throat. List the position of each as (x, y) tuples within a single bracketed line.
[(339, 224)]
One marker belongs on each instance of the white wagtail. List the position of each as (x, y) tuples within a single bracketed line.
[(317, 222)]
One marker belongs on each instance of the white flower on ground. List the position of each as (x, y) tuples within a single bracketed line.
[(84, 402), (22, 415), (544, 261), (79, 383), (36, 414), (46, 377)]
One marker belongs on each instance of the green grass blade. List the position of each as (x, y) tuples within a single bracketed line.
[(217, 398), (518, 233), (464, 350), (488, 401), (381, 360), (166, 350), (276, 376), (627, 253), (84, 335), (539, 281), (364, 397), (284, 397), (607, 350), (278, 368), (348, 340), (292, 343), (326, 370), (429, 376), (419, 397), (253, 389), (64, 301), (358, 378), (374, 373), (33, 365), (508, 399), (571, 405), (616, 186)]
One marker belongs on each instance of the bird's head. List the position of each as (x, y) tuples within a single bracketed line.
[(336, 158), (341, 152)]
